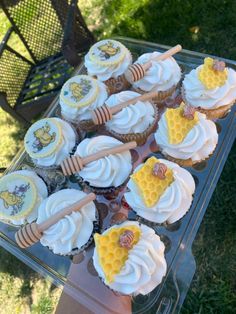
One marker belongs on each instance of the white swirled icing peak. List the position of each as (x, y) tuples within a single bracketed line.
[(109, 171), (135, 118), (161, 76), (197, 95), (74, 230), (173, 203), (199, 143), (145, 267)]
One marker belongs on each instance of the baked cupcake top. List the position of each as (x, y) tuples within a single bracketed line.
[(135, 118), (49, 141), (129, 258), (81, 94), (21, 193), (107, 58), (183, 137), (160, 191), (210, 85), (110, 171), (161, 76), (71, 232)]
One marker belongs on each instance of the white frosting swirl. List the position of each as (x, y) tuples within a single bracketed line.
[(74, 230), (103, 72), (135, 118), (42, 193), (68, 140), (145, 267), (84, 113), (199, 143), (108, 171), (173, 203), (197, 95), (161, 76)]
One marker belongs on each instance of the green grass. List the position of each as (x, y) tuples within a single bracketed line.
[(207, 26)]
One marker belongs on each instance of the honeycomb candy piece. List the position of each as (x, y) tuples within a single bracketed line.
[(211, 78), (178, 125), (112, 256), (151, 187)]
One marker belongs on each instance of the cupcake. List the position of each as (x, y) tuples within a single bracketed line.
[(107, 60), (162, 77), (49, 141), (134, 122), (185, 136), (106, 174), (72, 233), (80, 95), (129, 258), (160, 191), (210, 88), (21, 193)]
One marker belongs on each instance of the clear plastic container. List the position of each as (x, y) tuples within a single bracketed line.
[(78, 274)]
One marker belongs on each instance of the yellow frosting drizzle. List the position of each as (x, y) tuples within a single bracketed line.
[(150, 186), (178, 125), (211, 78), (111, 255)]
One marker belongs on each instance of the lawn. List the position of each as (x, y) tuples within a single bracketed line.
[(205, 26)]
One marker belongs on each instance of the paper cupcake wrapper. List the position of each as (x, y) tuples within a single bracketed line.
[(139, 138), (211, 114), (88, 126), (116, 85), (185, 162), (159, 100), (106, 192)]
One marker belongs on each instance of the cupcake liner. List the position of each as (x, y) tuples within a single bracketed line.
[(162, 95), (139, 138), (76, 251), (185, 162), (211, 114), (106, 192), (116, 85)]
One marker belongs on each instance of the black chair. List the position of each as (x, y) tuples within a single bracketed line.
[(55, 35)]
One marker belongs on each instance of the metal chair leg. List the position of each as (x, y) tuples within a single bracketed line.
[(6, 107)]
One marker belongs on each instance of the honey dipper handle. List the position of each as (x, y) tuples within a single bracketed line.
[(168, 53), (66, 211), (110, 151), (144, 97), (162, 56)]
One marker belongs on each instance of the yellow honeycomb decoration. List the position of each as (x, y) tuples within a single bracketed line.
[(211, 78), (150, 186), (178, 125), (112, 256)]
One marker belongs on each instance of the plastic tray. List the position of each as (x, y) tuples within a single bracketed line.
[(82, 282)]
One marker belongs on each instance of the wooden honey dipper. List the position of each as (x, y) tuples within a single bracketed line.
[(33, 232), (75, 164), (104, 113), (137, 71)]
